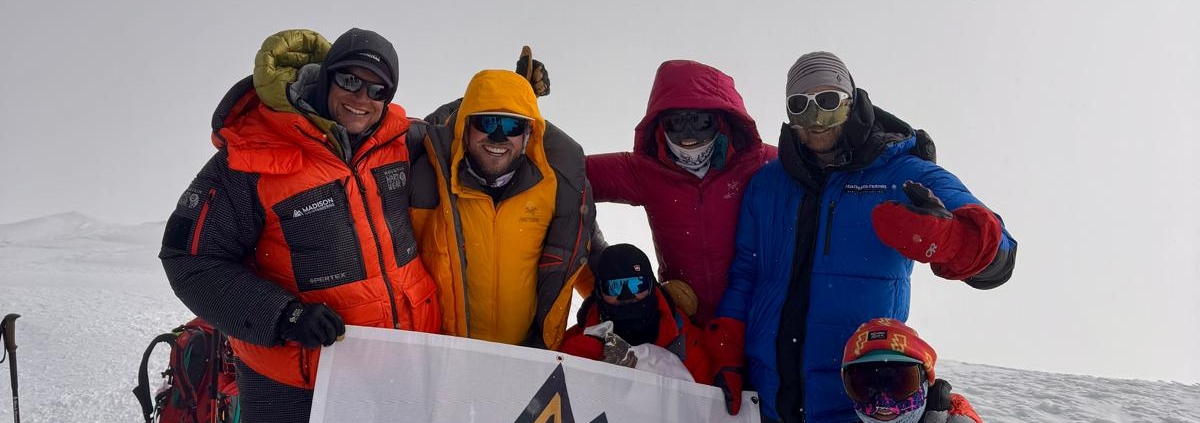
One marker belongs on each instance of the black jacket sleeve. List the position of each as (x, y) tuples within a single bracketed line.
[(998, 272), (568, 236), (207, 247)]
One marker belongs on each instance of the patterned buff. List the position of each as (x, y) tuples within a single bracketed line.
[(696, 160), (910, 410)]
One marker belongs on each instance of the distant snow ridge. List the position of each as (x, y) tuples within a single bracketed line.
[(1010, 395), (92, 294), (77, 243), (47, 227), (49, 230)]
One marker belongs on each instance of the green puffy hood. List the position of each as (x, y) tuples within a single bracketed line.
[(279, 61)]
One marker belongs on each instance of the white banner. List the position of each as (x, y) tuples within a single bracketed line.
[(381, 375)]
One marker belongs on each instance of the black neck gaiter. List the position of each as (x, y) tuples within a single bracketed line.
[(636, 323)]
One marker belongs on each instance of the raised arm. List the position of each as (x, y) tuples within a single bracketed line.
[(935, 219)]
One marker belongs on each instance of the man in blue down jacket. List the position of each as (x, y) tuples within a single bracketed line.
[(827, 236)]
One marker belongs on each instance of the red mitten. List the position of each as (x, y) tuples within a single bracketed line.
[(729, 379), (958, 244), (585, 346), (725, 340)]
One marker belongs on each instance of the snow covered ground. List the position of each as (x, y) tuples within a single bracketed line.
[(92, 295)]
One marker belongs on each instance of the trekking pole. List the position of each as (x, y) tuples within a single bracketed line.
[(8, 326)]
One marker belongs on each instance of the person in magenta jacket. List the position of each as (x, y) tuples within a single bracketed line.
[(693, 154)]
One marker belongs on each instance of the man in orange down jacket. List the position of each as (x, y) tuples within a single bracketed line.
[(298, 225), (503, 215)]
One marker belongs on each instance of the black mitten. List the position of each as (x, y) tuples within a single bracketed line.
[(938, 398)]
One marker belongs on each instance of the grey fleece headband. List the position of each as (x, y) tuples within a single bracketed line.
[(817, 69)]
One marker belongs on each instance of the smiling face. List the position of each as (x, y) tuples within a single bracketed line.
[(689, 128), (887, 409), (493, 154), (354, 110)]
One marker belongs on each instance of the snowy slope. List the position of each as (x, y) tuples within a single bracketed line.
[(92, 295)]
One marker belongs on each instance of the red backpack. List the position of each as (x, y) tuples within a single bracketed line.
[(200, 383)]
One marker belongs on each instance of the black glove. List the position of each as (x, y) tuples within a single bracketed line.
[(938, 398), (534, 71), (310, 324), (925, 148)]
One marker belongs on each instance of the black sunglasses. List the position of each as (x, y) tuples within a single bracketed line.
[(828, 100), (679, 122), (352, 83)]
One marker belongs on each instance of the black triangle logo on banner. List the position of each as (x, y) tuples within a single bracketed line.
[(551, 404)]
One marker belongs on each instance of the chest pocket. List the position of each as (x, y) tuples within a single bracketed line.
[(394, 189), (320, 235)]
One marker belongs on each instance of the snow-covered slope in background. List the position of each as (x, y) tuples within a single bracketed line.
[(92, 295)]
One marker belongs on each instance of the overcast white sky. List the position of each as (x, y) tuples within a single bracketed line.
[(1074, 120)]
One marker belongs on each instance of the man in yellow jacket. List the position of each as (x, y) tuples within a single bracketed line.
[(506, 225)]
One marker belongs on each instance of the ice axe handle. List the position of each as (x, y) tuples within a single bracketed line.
[(9, 324), (527, 57)]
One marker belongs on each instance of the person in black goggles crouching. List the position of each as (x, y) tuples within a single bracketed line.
[(629, 320)]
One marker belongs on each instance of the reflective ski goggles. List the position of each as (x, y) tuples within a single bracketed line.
[(508, 125), (897, 380), (352, 83), (679, 122), (624, 288), (828, 100)]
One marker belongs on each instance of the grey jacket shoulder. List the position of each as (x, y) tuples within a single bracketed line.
[(427, 144), (442, 115), (565, 156)]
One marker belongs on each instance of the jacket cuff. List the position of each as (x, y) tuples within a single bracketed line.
[(584, 346)]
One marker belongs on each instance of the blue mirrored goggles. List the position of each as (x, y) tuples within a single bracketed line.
[(508, 125), (624, 288)]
